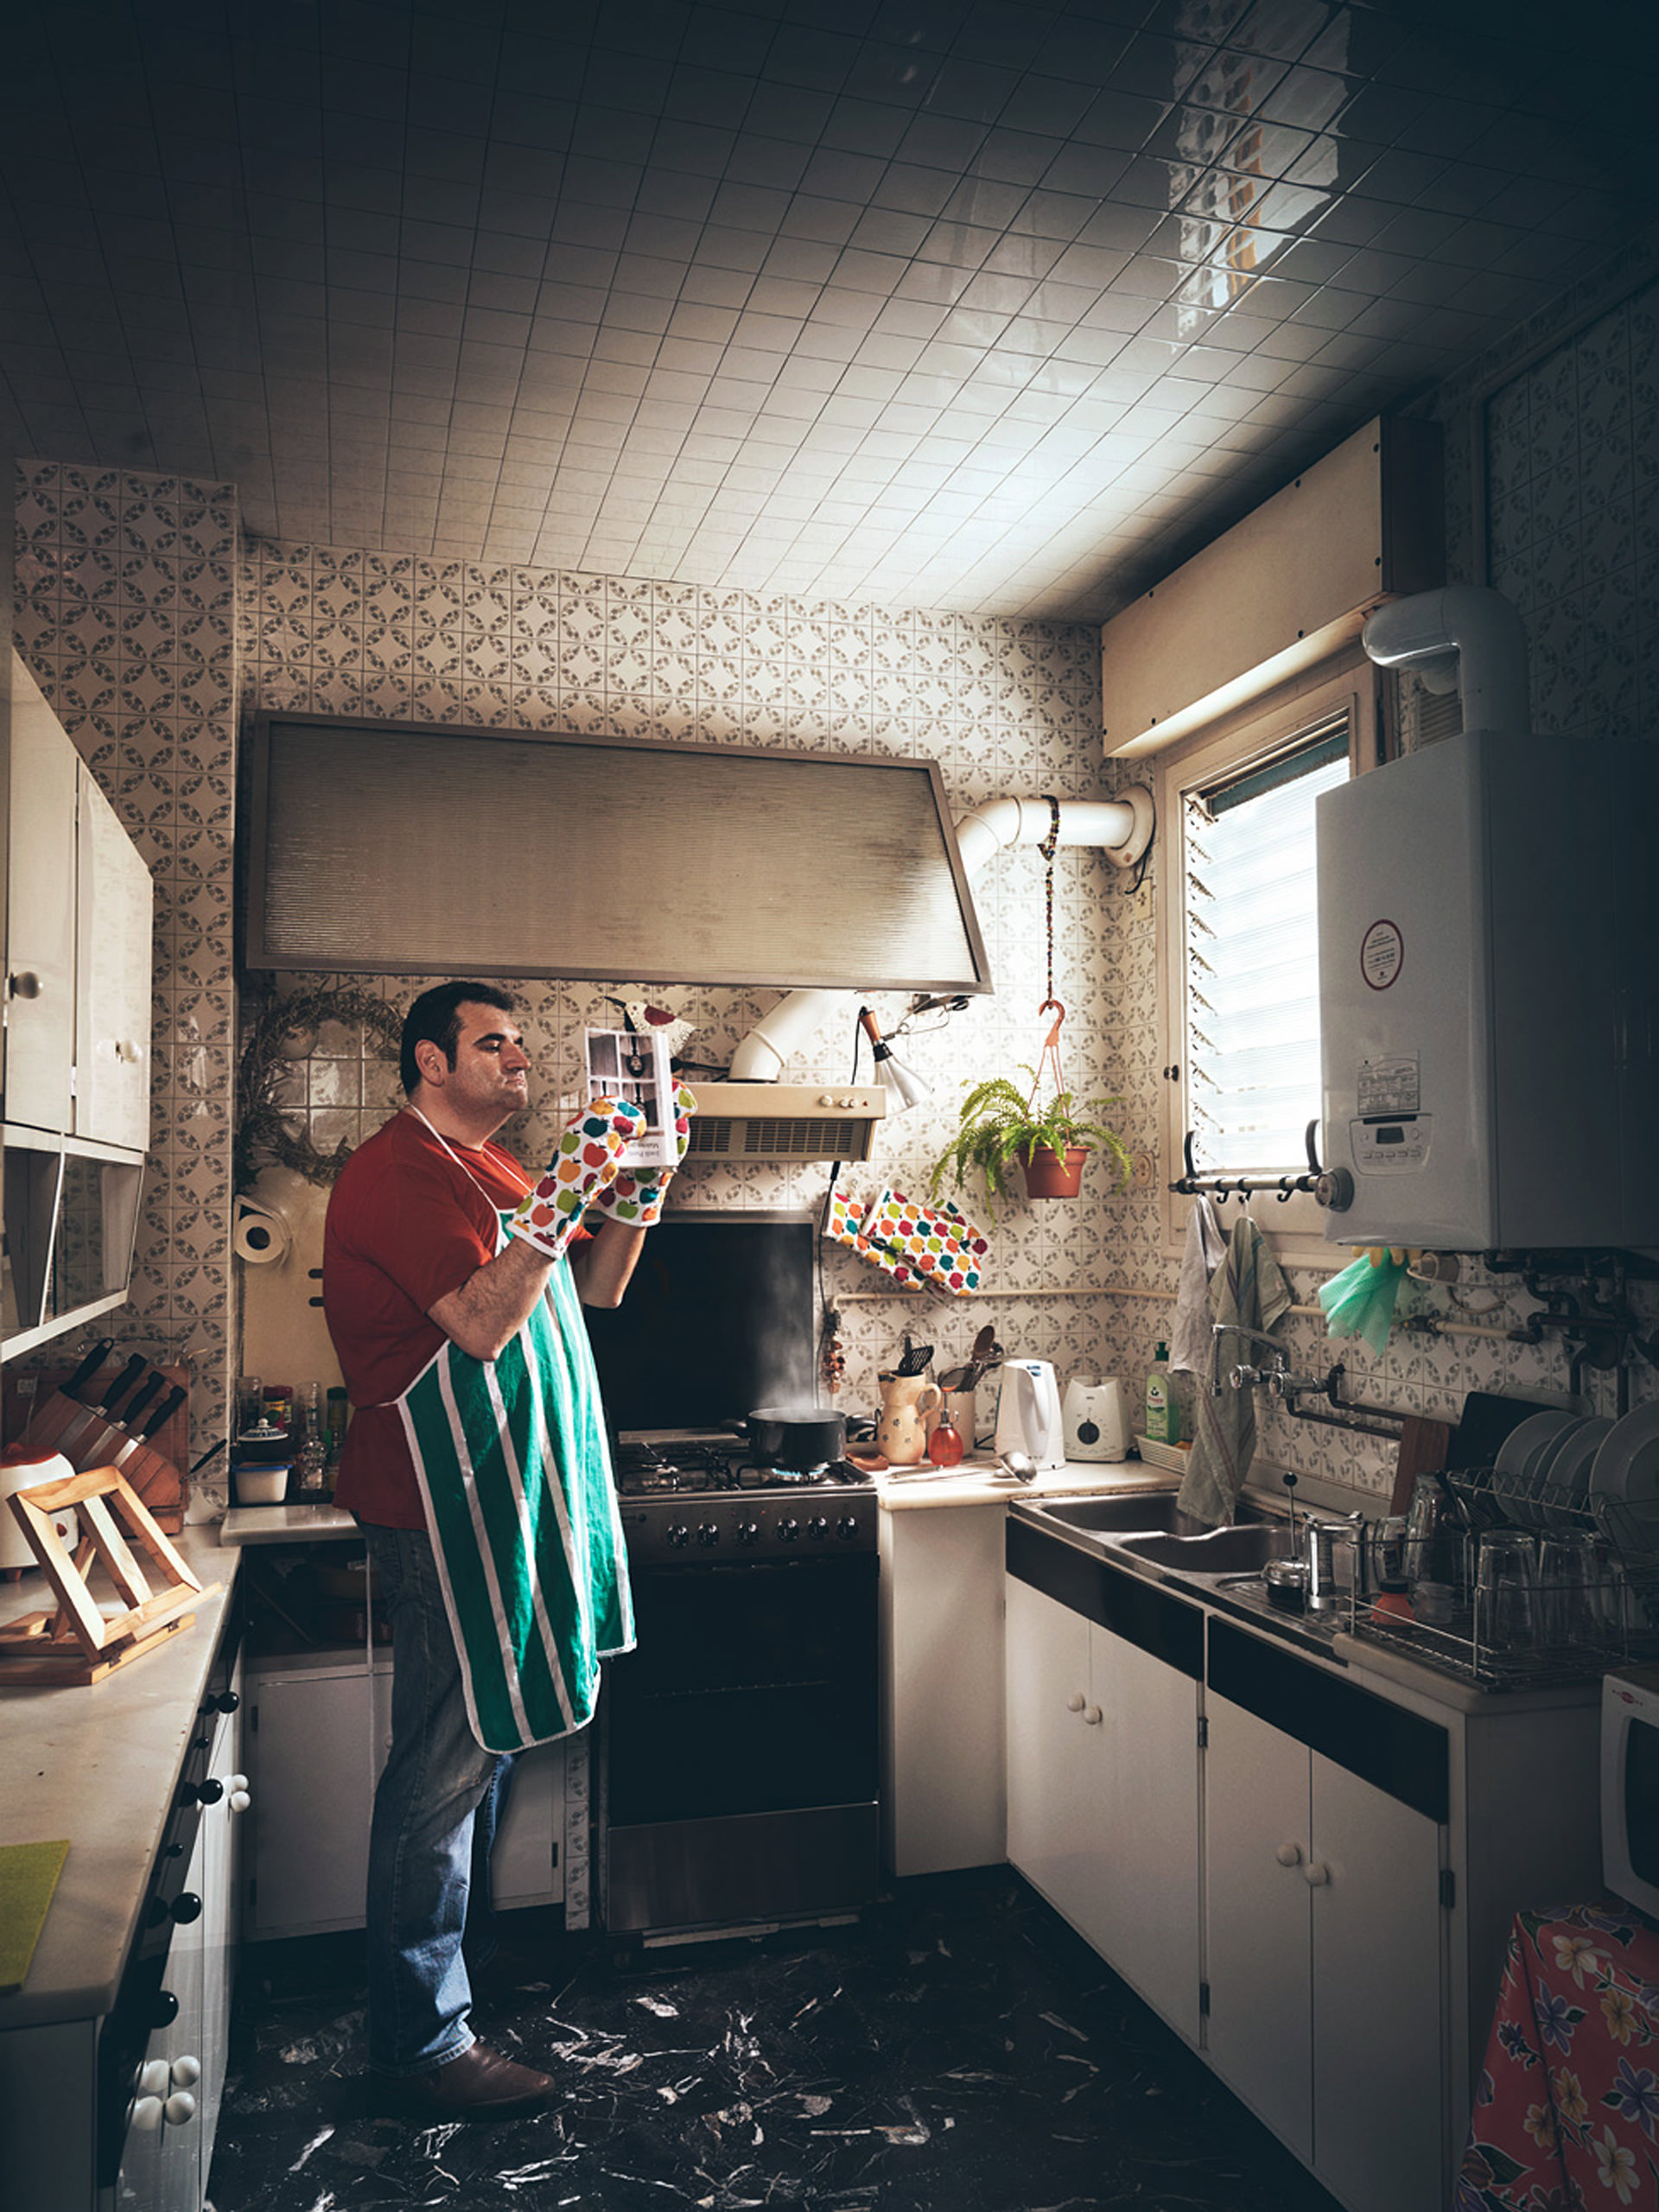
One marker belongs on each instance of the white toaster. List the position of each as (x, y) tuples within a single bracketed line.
[(1093, 1416)]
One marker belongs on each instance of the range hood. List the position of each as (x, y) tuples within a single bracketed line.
[(786, 1120), (757, 1118)]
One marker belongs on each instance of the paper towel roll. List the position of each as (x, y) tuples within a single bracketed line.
[(260, 1234)]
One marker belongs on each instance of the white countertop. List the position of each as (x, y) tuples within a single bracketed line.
[(981, 1481), (287, 1524), (99, 1766)]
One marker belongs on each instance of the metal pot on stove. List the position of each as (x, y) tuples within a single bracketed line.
[(797, 1439)]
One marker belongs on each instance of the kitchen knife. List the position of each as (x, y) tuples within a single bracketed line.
[(65, 1405), (153, 1480), (105, 1451), (99, 1407)]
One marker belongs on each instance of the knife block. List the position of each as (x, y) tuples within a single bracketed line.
[(166, 1488)]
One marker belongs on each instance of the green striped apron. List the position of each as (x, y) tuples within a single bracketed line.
[(515, 1476)]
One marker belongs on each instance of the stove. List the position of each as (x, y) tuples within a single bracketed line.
[(741, 1752), (688, 1495)]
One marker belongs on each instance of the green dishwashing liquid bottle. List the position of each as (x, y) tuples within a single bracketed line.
[(1163, 1411)]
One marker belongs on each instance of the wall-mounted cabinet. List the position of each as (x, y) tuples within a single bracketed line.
[(79, 906)]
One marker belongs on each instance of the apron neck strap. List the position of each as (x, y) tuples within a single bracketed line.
[(459, 1161)]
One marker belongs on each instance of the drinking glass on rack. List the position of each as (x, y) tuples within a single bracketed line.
[(1572, 1593), (1432, 1553), (1506, 1592)]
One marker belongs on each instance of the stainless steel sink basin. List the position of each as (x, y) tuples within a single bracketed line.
[(1219, 1551), (1114, 1516)]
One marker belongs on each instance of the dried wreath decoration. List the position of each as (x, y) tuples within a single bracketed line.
[(287, 1032)]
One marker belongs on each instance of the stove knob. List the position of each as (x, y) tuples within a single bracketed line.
[(708, 1535), (748, 1532), (209, 1792), (679, 1535), (817, 1528), (847, 1528), (186, 1908), (787, 1531)]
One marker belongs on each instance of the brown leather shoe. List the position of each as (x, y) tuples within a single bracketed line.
[(481, 2085)]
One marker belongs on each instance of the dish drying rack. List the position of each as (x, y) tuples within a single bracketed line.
[(1492, 1499)]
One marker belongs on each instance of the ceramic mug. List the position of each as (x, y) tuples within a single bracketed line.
[(901, 1425)]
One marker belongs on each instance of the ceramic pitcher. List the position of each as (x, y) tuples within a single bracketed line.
[(901, 1425)]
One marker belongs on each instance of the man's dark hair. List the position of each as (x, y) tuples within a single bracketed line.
[(435, 1019)]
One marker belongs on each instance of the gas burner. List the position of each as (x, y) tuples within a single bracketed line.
[(682, 1464), (838, 1471)]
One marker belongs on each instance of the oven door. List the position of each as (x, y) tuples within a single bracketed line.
[(741, 1744)]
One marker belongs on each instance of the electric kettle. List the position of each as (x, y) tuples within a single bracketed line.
[(1094, 1425), (1029, 1413)]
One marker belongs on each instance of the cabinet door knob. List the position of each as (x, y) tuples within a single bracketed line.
[(1091, 1716), (1315, 1875), (179, 2107), (1076, 1703), (24, 984), (1289, 1854), (147, 2114)]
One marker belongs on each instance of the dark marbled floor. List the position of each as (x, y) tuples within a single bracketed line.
[(957, 2051)]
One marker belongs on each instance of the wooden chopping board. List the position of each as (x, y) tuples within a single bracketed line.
[(1424, 1446)]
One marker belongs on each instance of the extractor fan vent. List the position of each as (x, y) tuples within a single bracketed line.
[(785, 1121), (1425, 713)]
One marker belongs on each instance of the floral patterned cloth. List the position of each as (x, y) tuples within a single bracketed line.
[(1567, 2110)]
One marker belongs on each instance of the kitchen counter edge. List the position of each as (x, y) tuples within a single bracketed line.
[(99, 1764)]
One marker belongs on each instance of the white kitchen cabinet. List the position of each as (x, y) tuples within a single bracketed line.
[(1349, 2010), (1325, 1962), (79, 912), (1054, 1766), (46, 773), (318, 1735), (942, 1783), (1102, 1774), (114, 912)]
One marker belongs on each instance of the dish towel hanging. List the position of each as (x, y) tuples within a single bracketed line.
[(515, 1476), (1249, 1289), (1190, 1340)]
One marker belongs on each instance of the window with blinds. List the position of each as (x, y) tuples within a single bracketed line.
[(1250, 967)]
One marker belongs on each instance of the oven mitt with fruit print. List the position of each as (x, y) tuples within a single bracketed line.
[(586, 1161), (636, 1199)]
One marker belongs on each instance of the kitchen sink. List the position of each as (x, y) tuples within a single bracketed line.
[(1242, 1550), (1149, 1515)]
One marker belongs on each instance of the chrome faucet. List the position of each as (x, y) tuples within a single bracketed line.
[(1243, 1377)]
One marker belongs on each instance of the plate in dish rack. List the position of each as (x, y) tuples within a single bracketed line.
[(1627, 1466), (1521, 1453)]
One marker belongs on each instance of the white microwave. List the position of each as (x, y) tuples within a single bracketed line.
[(1629, 1786)]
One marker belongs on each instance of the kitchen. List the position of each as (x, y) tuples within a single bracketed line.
[(161, 605)]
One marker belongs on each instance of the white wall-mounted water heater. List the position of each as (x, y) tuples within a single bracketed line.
[(1488, 975)]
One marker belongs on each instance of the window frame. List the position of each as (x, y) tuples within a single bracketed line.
[(1230, 745)]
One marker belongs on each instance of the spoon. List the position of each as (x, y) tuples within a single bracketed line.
[(1019, 1464)]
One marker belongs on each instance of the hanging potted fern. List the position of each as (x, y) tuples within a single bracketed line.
[(1050, 1138)]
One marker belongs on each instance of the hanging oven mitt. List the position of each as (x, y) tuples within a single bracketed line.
[(636, 1199), (585, 1162)]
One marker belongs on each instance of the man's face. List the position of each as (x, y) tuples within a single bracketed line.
[(491, 1070)]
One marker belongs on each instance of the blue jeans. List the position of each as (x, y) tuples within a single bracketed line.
[(435, 1808)]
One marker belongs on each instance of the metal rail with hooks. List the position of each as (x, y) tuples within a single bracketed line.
[(1222, 1187)]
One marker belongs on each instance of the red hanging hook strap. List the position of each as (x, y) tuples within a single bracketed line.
[(1049, 1056)]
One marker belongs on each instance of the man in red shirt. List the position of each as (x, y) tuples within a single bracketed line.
[(414, 1261)]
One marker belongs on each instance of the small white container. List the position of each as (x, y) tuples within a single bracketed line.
[(262, 1485)]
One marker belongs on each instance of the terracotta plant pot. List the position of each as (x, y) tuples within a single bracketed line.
[(1049, 1176)]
